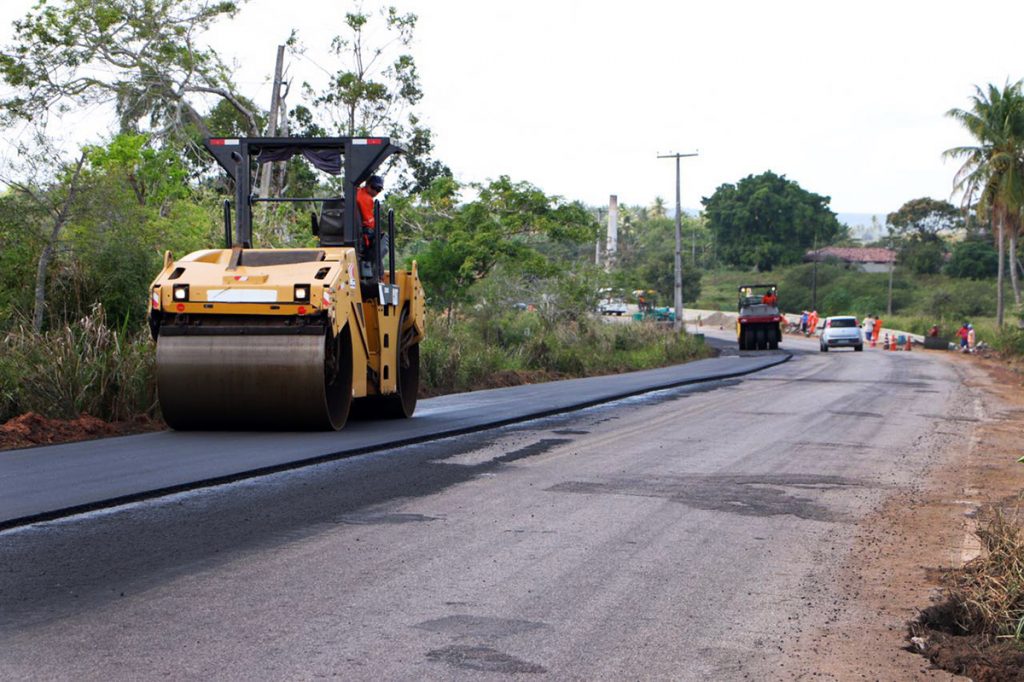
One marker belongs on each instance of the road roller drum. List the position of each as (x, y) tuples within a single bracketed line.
[(249, 383)]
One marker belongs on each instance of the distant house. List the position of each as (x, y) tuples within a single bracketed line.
[(864, 259)]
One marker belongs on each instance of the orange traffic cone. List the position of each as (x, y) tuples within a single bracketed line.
[(874, 340), (907, 347), (892, 342)]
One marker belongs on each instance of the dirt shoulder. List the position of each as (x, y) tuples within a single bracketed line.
[(902, 550), (30, 429)]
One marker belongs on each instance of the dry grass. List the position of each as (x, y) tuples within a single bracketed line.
[(87, 367), (989, 591)]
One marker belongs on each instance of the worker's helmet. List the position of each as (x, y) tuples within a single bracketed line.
[(376, 182)]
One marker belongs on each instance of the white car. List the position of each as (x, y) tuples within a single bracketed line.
[(841, 331), (612, 306)]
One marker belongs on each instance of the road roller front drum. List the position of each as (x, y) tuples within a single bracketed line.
[(252, 381)]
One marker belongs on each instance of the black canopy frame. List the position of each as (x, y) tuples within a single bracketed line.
[(356, 158)]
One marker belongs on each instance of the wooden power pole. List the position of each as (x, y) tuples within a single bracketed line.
[(275, 100)]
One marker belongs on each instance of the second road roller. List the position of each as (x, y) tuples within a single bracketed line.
[(759, 324), (290, 339)]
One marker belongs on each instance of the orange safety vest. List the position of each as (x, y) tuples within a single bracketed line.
[(365, 203)]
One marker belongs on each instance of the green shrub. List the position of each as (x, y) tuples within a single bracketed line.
[(973, 259), (919, 325), (479, 347), (1008, 340)]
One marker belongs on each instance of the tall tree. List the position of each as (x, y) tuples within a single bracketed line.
[(992, 171), (142, 56), (766, 220), (924, 216), (915, 231), (377, 89), (57, 201), (508, 223)]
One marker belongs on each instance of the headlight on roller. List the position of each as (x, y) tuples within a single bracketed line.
[(180, 292), (301, 293)]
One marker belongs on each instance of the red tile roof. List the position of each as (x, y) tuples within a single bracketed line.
[(851, 254)]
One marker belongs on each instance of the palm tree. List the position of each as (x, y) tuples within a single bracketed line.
[(657, 209), (993, 171)]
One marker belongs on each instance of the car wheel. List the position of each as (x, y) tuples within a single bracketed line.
[(823, 348), (859, 347)]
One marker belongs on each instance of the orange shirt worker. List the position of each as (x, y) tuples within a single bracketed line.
[(365, 196)]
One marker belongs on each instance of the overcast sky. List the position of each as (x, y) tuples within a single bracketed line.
[(579, 97)]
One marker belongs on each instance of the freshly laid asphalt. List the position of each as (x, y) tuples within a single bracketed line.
[(48, 482)]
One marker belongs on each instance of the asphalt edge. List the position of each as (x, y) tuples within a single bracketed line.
[(22, 521)]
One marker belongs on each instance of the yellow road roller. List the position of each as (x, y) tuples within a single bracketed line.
[(290, 339)]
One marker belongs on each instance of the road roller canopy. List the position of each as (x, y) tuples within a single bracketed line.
[(355, 158)]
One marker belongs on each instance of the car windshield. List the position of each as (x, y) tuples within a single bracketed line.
[(843, 322)]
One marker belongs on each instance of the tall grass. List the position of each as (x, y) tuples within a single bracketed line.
[(1009, 340), (86, 367), (988, 592), (472, 353)]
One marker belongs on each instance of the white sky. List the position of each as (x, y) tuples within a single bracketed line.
[(578, 97)]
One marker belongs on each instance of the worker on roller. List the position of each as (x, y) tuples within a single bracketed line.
[(365, 197), (770, 298)]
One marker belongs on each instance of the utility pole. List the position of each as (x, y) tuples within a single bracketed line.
[(892, 266), (888, 305), (612, 249), (814, 273), (679, 244), (275, 100)]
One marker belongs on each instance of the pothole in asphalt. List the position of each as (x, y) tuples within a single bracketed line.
[(480, 627), (871, 415), (484, 659), (772, 495), (538, 448), (383, 518)]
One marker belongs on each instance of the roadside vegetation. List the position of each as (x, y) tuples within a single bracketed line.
[(510, 272), (521, 347), (977, 629)]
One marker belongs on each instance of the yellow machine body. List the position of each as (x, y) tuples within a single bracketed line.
[(271, 338)]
